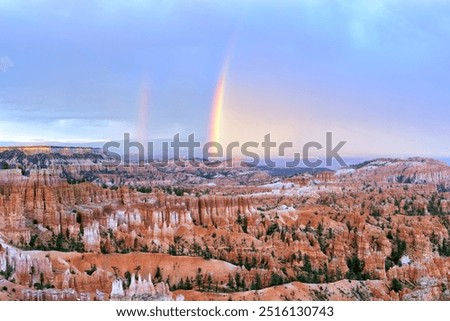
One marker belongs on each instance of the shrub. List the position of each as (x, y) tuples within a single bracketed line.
[(396, 285), (91, 270)]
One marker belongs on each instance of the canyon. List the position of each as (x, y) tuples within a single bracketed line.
[(73, 227)]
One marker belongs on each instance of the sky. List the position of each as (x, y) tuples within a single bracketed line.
[(375, 73)]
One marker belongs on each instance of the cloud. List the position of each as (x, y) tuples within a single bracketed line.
[(5, 63)]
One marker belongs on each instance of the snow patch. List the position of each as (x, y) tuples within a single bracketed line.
[(405, 260), (345, 171), (279, 185)]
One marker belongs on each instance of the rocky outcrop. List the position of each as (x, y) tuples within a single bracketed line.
[(140, 289), (68, 151), (411, 171), (380, 223)]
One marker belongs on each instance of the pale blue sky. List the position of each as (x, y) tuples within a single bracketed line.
[(376, 73)]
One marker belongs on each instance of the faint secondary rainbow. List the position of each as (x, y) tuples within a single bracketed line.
[(216, 121), (144, 113)]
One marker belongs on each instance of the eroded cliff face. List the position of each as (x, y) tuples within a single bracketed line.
[(383, 225), (412, 171)]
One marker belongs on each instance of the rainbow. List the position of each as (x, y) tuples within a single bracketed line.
[(216, 131), (216, 121)]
